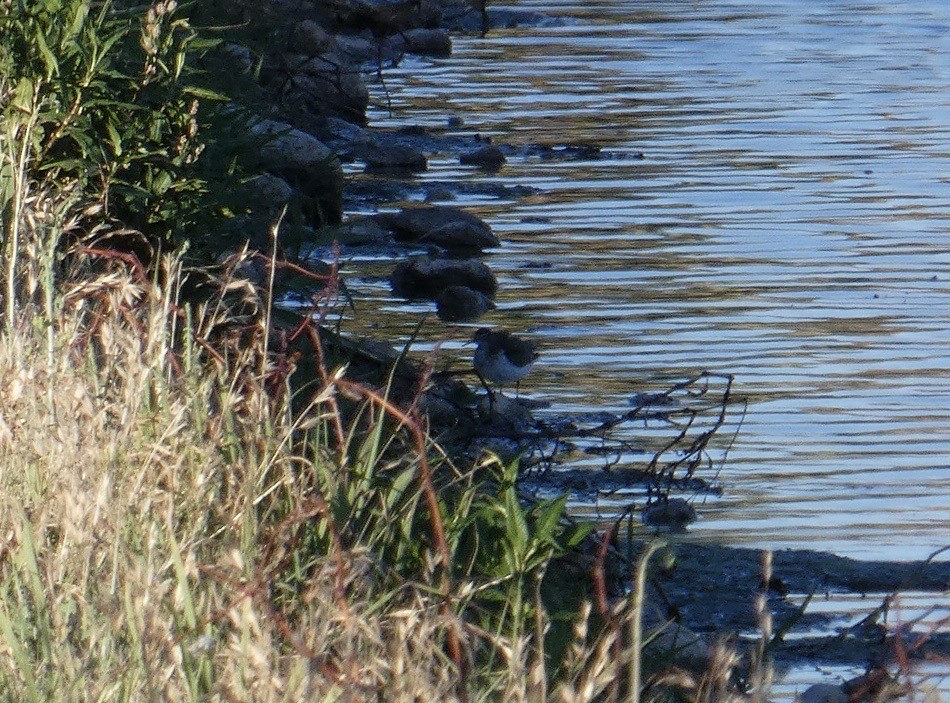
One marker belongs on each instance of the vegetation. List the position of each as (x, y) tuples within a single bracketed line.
[(176, 525)]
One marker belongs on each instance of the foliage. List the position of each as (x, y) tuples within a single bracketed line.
[(108, 99)]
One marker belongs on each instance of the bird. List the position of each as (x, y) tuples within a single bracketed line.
[(501, 357)]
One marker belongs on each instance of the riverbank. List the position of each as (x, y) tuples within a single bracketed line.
[(248, 563), (186, 519)]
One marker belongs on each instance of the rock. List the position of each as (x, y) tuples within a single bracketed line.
[(362, 231), (823, 693), (673, 513), (359, 49), (307, 165), (286, 147), (423, 277), (462, 304), (311, 39), (455, 122), (489, 157), (240, 58), (386, 17), (460, 236), (422, 41), (393, 158), (320, 85), (509, 414), (273, 190), (411, 224)]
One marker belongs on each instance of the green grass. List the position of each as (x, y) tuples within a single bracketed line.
[(177, 523)]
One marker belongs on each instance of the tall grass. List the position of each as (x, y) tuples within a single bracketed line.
[(184, 519)]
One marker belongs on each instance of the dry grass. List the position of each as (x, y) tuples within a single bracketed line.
[(172, 531)]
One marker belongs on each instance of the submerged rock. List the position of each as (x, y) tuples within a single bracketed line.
[(422, 41), (489, 157), (460, 236), (423, 277), (393, 158), (462, 304), (362, 231), (823, 693), (411, 224), (673, 513)]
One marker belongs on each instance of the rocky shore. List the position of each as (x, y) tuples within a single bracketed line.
[(313, 75)]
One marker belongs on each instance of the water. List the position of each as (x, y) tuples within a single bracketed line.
[(788, 223)]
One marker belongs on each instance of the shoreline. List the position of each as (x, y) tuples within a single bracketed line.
[(403, 151)]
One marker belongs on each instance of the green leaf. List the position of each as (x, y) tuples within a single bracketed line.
[(114, 138), (52, 66), (204, 93), (516, 527), (79, 18), (550, 515)]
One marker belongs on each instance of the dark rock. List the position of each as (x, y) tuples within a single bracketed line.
[(423, 277), (411, 224), (674, 513), (393, 158), (286, 147), (488, 157), (422, 41), (360, 49), (320, 85), (274, 191), (386, 17), (307, 165), (462, 304), (362, 231), (454, 122), (460, 236), (310, 39), (240, 58)]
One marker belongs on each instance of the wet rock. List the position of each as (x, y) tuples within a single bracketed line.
[(360, 49), (489, 157), (455, 121), (362, 231), (386, 17), (411, 224), (311, 39), (320, 85), (272, 190), (460, 236), (306, 164), (674, 513), (393, 158), (823, 693), (462, 304), (424, 277), (342, 134), (422, 41)]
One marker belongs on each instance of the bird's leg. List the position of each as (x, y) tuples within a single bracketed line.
[(491, 394)]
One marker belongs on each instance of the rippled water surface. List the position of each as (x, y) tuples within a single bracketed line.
[(788, 223)]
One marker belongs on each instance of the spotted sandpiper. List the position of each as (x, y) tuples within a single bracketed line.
[(501, 357)]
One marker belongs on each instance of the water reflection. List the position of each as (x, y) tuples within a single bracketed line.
[(788, 223)]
